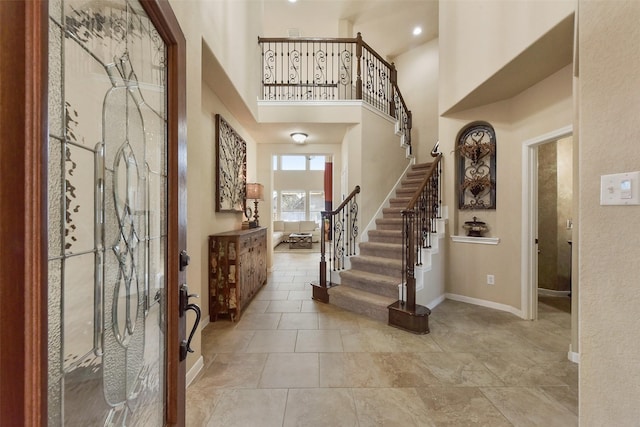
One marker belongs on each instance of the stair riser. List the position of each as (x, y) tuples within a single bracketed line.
[(377, 268), (386, 290), (372, 311), (382, 253), (385, 238), (405, 192), (410, 184), (396, 225), (399, 203), (416, 175)]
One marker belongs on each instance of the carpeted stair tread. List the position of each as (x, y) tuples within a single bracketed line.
[(361, 302), (370, 282)]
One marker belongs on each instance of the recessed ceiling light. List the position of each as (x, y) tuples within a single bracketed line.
[(416, 31), (292, 1)]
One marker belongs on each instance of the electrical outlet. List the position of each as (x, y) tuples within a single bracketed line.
[(491, 279)]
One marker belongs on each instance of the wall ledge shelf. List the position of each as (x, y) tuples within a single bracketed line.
[(476, 240)]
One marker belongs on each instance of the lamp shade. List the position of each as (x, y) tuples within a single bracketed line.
[(255, 191)]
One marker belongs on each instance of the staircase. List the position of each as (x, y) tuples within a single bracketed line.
[(371, 284)]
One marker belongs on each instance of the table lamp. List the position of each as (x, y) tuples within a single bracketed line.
[(255, 191)]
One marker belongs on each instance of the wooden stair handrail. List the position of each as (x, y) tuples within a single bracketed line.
[(425, 181), (344, 202)]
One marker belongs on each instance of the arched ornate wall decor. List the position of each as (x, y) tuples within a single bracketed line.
[(476, 152)]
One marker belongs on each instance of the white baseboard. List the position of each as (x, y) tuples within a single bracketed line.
[(204, 322), (194, 371), (485, 303), (436, 302), (573, 356)]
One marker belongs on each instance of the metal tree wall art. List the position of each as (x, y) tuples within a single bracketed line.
[(477, 167), (231, 167)]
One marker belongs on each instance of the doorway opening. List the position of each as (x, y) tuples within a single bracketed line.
[(537, 187), (555, 223), (302, 189)]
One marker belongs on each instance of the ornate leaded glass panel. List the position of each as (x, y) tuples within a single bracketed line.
[(107, 214)]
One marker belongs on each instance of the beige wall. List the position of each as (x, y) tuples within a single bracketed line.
[(210, 21), (381, 160), (231, 30), (609, 90), (418, 83), (478, 38), (540, 109)]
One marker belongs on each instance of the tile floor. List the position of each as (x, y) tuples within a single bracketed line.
[(290, 361)]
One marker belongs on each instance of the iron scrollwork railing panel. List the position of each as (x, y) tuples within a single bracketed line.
[(419, 221), (340, 229), (307, 70), (376, 81)]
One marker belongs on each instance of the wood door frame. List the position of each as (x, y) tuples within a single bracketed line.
[(23, 213), (23, 216)]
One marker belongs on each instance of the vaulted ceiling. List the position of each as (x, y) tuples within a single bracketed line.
[(386, 25)]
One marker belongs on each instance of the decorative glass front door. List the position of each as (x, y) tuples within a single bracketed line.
[(107, 214)]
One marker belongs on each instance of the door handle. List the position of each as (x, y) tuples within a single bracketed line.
[(185, 345)]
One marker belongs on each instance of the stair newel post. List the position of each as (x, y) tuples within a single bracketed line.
[(323, 260), (319, 289), (359, 66)]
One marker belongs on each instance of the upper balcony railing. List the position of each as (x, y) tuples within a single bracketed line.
[(332, 69)]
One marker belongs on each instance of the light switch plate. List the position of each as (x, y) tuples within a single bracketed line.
[(620, 189)]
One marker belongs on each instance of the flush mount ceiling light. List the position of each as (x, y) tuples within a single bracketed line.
[(299, 137), (417, 31)]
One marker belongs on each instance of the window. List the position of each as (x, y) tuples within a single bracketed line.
[(293, 163), (274, 205), (316, 163), (292, 205), (316, 206), (275, 163)]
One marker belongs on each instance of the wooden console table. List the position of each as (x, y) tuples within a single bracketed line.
[(237, 270)]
